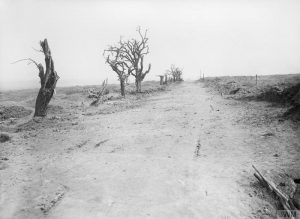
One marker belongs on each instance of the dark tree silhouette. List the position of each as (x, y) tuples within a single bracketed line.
[(113, 56), (133, 52), (48, 81)]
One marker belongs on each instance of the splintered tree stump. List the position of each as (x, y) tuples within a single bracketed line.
[(161, 77), (99, 95), (48, 81), (122, 84)]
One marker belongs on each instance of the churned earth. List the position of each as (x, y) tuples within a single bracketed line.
[(182, 153)]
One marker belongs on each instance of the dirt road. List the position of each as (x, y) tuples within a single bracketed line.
[(179, 155)]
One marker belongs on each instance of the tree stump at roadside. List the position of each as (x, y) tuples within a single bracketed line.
[(48, 81), (161, 77)]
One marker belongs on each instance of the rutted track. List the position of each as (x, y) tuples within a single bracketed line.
[(147, 163)]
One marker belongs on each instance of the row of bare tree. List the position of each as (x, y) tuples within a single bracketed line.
[(171, 75), (125, 58), (174, 73)]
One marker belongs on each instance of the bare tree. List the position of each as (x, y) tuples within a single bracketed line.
[(133, 52), (48, 80), (175, 72), (114, 57)]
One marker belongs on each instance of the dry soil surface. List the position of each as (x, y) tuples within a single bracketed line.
[(183, 153)]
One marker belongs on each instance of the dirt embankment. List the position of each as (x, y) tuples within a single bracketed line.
[(280, 90), (271, 105)]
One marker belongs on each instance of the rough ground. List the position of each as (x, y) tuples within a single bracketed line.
[(184, 153)]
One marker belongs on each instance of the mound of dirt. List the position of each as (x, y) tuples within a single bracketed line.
[(7, 112), (4, 137), (240, 88), (293, 113), (227, 88), (272, 94), (284, 91), (49, 122), (281, 93), (289, 95)]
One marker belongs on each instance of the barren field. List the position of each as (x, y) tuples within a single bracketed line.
[(181, 151)]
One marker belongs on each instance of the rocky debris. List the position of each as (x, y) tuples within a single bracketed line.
[(93, 93), (50, 195), (46, 207)]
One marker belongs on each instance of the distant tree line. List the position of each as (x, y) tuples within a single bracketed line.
[(174, 73)]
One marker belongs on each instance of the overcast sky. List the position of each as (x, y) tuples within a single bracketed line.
[(219, 37)]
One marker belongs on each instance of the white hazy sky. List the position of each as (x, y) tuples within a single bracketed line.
[(221, 37)]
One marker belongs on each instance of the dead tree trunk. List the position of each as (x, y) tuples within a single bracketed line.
[(115, 59), (122, 83), (99, 95), (48, 82), (161, 77), (138, 85)]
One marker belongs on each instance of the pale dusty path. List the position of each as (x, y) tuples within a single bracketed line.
[(148, 168), (147, 164)]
